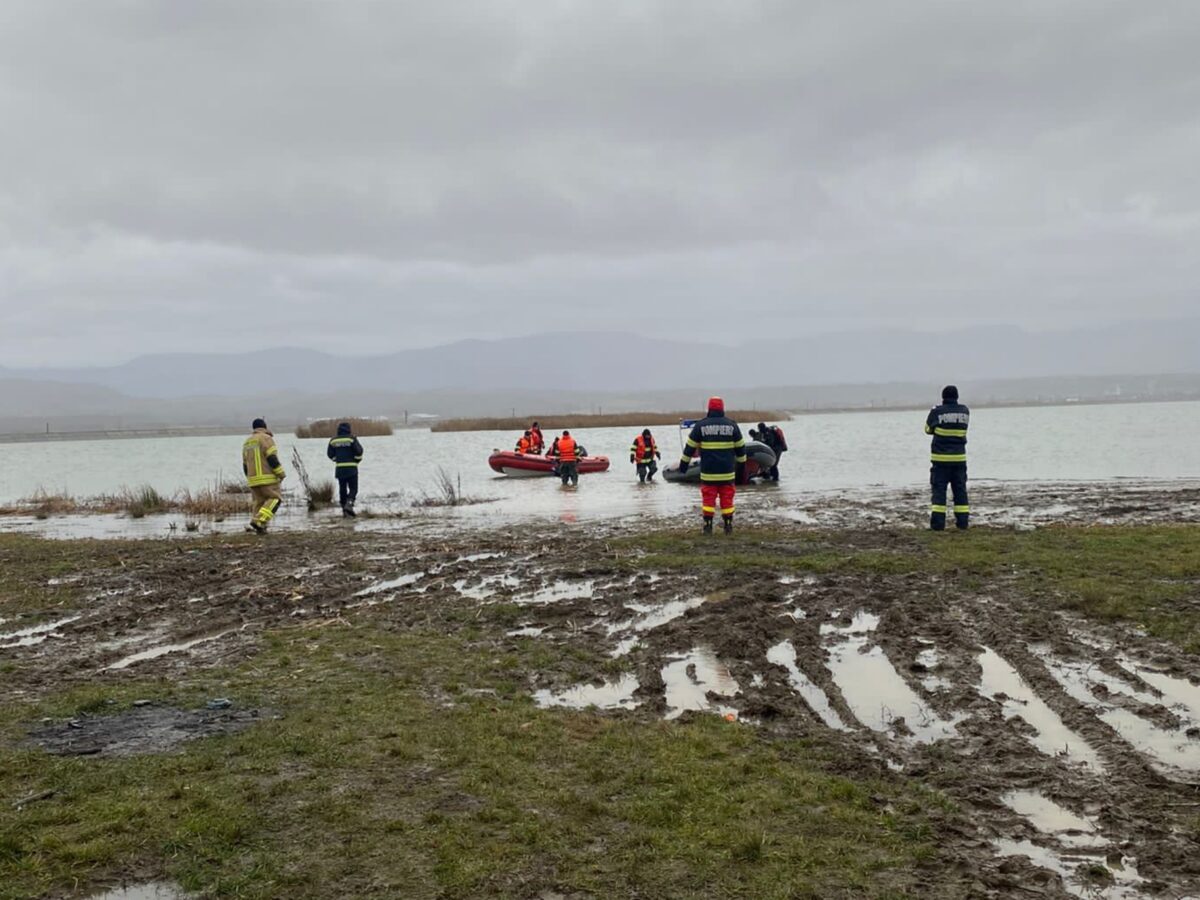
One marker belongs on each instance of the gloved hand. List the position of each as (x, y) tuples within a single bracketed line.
[(631, 459), (659, 455)]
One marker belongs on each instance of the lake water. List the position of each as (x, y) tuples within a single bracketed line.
[(830, 454)]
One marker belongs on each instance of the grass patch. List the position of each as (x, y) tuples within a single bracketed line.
[(370, 785), (28, 564)]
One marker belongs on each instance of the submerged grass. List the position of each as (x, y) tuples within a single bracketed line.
[(388, 774), (209, 502)]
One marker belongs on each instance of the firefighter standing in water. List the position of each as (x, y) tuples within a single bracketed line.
[(567, 452), (346, 453), (948, 425), (722, 453), (643, 452), (264, 473)]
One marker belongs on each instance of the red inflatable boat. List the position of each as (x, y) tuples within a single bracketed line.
[(528, 465)]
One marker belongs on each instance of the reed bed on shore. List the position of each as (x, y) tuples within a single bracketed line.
[(327, 428), (136, 502)]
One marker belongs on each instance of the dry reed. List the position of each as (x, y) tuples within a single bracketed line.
[(327, 428)]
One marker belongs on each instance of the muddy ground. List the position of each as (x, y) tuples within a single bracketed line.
[(1070, 748)]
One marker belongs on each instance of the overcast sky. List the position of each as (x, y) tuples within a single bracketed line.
[(359, 177)]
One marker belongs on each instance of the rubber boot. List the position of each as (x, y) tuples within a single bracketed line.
[(348, 510), (708, 524), (727, 521)]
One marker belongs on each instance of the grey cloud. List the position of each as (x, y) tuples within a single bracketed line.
[(392, 174)]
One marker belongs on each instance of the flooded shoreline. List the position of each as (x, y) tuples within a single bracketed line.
[(1000, 504)]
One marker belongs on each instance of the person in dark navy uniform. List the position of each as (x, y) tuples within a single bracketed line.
[(947, 423)]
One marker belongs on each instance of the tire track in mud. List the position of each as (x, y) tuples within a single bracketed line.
[(970, 701), (970, 692)]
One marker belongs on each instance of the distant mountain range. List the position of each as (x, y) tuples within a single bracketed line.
[(616, 372), (614, 362)]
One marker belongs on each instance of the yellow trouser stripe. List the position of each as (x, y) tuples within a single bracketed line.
[(727, 510), (962, 509), (938, 508)]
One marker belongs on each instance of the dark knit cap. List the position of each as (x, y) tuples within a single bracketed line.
[(259, 423), (949, 393)]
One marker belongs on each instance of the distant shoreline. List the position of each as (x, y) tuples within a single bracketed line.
[(582, 420), (553, 421)]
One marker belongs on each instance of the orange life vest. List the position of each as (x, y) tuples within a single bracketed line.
[(537, 442), (566, 449), (641, 451), (524, 445)]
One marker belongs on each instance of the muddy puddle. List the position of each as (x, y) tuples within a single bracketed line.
[(153, 890), (34, 634), (162, 650), (875, 691), (784, 654), (1088, 875), (148, 728), (1131, 711), (616, 694), (1004, 684), (690, 678), (1048, 817)]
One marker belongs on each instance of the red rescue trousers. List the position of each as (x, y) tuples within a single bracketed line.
[(709, 494)]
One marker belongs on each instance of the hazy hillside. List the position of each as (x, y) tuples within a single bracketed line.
[(98, 408), (612, 362)]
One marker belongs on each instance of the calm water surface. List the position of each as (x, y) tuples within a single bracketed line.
[(830, 453)]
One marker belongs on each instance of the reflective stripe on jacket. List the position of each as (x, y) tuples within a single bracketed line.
[(721, 446), (643, 453), (346, 453), (948, 425), (260, 459)]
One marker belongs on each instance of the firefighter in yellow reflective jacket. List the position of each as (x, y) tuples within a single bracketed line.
[(260, 462)]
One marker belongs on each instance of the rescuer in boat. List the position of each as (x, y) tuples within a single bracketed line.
[(948, 455), (537, 442), (264, 474), (722, 453), (567, 453), (643, 453), (525, 443), (773, 437), (346, 453)]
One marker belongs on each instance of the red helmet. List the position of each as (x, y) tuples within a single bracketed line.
[(716, 406)]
